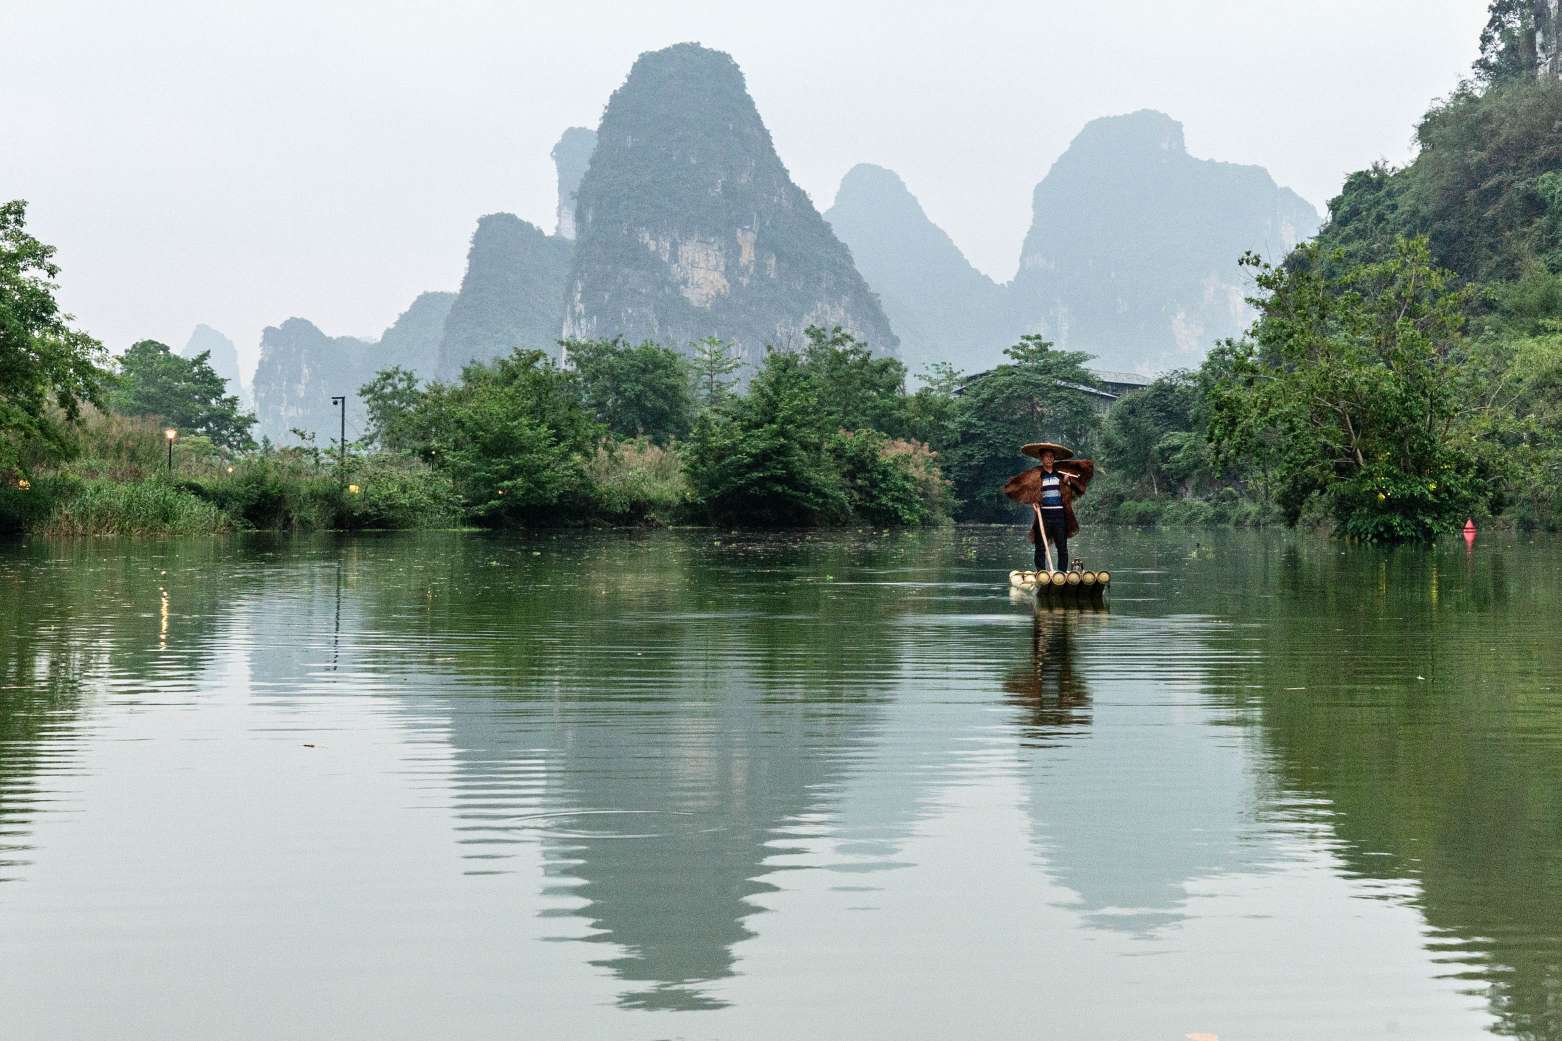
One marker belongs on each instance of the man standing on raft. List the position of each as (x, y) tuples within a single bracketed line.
[(1050, 490)]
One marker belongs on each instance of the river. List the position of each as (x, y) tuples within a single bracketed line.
[(703, 785)]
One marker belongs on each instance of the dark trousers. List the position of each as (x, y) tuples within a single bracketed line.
[(1057, 534)]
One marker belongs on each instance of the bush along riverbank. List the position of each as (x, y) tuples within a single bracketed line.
[(631, 435)]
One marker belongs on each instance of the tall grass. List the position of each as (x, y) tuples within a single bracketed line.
[(153, 507), (637, 482)]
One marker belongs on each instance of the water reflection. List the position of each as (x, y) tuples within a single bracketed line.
[(79, 619), (1050, 688), (1418, 697), (662, 754), (660, 736), (1131, 818)]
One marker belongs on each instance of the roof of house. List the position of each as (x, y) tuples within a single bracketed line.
[(1131, 379), (1106, 376)]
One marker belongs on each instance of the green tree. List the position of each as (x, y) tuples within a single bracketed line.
[(1040, 394), (763, 459), (185, 393), (931, 412), (391, 400), (639, 391), (1508, 42), (714, 364), (856, 389), (47, 369), (512, 436), (1145, 429), (1351, 387)]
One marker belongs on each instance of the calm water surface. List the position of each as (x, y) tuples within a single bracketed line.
[(688, 785)]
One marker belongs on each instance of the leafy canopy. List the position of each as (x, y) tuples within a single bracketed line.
[(185, 393), (714, 364), (634, 391), (819, 438), (1351, 387), (47, 369), (391, 400), (511, 435)]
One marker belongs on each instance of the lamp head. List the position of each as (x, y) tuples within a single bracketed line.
[(170, 433)]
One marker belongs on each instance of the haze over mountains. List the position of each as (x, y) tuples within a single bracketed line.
[(1131, 254), (677, 220)]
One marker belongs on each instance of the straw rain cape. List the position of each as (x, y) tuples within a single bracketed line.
[(1026, 487)]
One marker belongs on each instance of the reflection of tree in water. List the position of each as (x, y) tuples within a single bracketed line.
[(1050, 689), (1147, 804), (74, 616), (1416, 695), (661, 714)]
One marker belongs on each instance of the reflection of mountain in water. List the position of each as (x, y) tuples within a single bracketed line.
[(1437, 748), (1130, 816), (661, 728)]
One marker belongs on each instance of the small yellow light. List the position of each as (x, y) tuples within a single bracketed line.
[(354, 489), (1382, 497), (170, 433), (230, 469), (23, 483)]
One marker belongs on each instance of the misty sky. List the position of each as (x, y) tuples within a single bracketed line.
[(239, 163)]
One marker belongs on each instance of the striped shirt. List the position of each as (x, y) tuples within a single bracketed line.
[(1052, 491)]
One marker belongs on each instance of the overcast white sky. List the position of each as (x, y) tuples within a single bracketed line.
[(238, 163)]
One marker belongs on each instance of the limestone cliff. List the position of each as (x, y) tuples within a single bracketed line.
[(224, 357), (301, 368), (413, 340), (1133, 245), (688, 225), (571, 156), (511, 296), (943, 308)]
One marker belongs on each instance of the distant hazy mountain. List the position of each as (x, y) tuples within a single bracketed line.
[(224, 358), (301, 368), (571, 156), (412, 342), (1133, 246), (942, 308), (688, 224), (511, 296)]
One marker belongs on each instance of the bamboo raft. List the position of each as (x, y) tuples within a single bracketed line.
[(1063, 586)]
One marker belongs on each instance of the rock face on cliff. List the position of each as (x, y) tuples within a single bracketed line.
[(413, 339), (942, 307), (571, 156), (1133, 245), (511, 296), (224, 358), (301, 368), (688, 224)]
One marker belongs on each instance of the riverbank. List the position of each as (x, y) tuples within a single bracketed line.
[(282, 494)]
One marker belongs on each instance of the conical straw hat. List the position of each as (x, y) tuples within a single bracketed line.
[(1035, 448)]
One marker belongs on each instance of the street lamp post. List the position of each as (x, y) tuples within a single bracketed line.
[(341, 468), (170, 434)]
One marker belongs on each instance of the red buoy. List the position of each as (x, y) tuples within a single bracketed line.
[(1469, 531)]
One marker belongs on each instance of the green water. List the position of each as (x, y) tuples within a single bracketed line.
[(701, 786)]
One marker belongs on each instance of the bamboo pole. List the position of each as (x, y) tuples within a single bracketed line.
[(1046, 547)]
